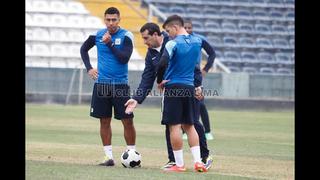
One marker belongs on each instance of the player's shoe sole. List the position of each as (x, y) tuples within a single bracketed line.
[(175, 168)]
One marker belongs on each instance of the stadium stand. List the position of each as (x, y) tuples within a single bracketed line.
[(254, 36)]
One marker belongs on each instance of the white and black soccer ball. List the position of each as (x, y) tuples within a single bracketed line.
[(131, 158)]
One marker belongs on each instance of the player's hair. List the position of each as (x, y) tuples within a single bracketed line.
[(173, 20), (112, 10), (151, 27)]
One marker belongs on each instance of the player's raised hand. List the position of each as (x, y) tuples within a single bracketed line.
[(106, 37), (93, 73), (131, 104)]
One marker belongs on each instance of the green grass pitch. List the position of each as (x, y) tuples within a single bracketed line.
[(63, 142)]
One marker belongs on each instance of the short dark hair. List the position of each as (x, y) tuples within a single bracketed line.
[(112, 10), (151, 27), (174, 19)]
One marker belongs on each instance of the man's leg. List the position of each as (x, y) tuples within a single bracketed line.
[(204, 117), (177, 144), (129, 132), (169, 147), (106, 135)]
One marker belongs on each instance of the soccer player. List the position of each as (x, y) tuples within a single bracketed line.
[(176, 74), (111, 89), (156, 41), (211, 55)]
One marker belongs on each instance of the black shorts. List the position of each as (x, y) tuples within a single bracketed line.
[(106, 96), (179, 105)]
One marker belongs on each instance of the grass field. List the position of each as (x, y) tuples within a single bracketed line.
[(63, 142)]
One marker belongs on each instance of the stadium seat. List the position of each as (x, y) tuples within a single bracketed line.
[(259, 3), (28, 49), (280, 43), (76, 7), (59, 20), (277, 15), (267, 70), (229, 27), (266, 57), (76, 36), (94, 22), (58, 7), (93, 52), (284, 71), (275, 3), (29, 20), (41, 34), (289, 3), (283, 58), (29, 33), (59, 50), (212, 26), (215, 41), (28, 6), (76, 21), (41, 20), (232, 56), (58, 35), (219, 55), (40, 49), (227, 13), (197, 26), (177, 10), (290, 15), (193, 12), (234, 69), (230, 41), (211, 12), (249, 57), (292, 44), (263, 43), (226, 2), (73, 50), (247, 42), (279, 29), (246, 3), (250, 70), (260, 14), (244, 14), (263, 29), (245, 28), (291, 29), (40, 6)]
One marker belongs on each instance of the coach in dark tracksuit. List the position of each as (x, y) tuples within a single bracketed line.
[(156, 41)]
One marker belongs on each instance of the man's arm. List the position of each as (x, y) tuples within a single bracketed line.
[(211, 54), (162, 66), (147, 80), (86, 46), (124, 54)]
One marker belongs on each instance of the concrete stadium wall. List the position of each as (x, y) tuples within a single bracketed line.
[(51, 85)]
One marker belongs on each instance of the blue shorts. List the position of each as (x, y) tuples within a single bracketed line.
[(179, 105), (106, 96)]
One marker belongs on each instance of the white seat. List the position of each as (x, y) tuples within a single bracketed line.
[(29, 20), (58, 20), (58, 6), (40, 20), (58, 35), (40, 34), (73, 50), (29, 34), (76, 21), (28, 6), (76, 36), (28, 50), (76, 7), (92, 52), (40, 49), (94, 22), (58, 50), (40, 6)]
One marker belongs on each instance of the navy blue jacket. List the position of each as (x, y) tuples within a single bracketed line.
[(150, 72)]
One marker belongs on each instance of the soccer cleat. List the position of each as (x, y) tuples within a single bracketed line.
[(107, 162), (175, 168), (199, 167), (169, 165), (184, 136), (209, 136), (208, 162)]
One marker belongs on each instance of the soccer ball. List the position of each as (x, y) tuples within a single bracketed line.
[(131, 158)]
